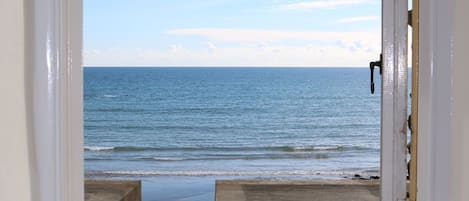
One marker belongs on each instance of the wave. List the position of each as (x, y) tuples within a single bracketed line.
[(238, 157), (92, 95), (98, 159), (327, 148), (90, 148), (166, 159), (223, 173), (126, 110), (275, 148), (109, 96), (311, 148), (166, 111), (209, 158), (145, 127)]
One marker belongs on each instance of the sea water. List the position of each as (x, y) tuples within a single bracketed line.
[(179, 129)]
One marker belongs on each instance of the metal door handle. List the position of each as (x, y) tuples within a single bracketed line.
[(374, 64)]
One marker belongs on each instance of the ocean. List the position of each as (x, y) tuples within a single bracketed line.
[(179, 129)]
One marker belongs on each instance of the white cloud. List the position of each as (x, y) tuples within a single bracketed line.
[(250, 47), (259, 36), (211, 47), (338, 55), (321, 4), (358, 19)]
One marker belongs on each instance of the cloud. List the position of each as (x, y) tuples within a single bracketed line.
[(211, 47), (262, 36), (341, 54), (358, 19), (307, 5), (249, 47)]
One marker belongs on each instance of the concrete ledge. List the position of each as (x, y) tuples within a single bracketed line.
[(113, 190), (321, 190)]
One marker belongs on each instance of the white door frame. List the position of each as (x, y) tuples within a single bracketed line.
[(54, 58), (55, 46), (394, 101)]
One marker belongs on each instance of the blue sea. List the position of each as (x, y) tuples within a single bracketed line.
[(180, 129)]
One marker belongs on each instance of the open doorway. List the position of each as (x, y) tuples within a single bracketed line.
[(170, 106)]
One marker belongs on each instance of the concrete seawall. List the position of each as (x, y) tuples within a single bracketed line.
[(336, 190), (113, 190)]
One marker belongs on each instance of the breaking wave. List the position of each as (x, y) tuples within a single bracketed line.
[(278, 148), (225, 173), (89, 148)]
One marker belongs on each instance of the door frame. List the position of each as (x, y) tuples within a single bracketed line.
[(54, 48), (394, 100)]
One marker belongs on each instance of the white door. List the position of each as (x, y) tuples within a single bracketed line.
[(394, 100)]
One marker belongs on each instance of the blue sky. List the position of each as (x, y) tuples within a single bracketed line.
[(231, 32)]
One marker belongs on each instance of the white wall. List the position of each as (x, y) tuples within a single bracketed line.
[(15, 174), (460, 148)]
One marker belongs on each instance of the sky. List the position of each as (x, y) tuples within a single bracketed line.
[(272, 33)]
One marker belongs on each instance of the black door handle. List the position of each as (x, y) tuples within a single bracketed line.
[(374, 64)]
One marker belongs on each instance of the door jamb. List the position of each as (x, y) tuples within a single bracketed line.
[(394, 100), (54, 54)]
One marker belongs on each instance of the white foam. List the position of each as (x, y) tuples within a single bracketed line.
[(327, 148), (310, 148), (227, 173), (167, 159), (110, 96), (90, 148)]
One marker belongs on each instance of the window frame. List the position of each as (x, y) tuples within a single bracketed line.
[(54, 49), (394, 100)]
